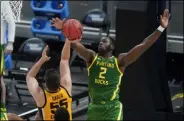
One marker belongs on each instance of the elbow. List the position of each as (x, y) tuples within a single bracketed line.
[(65, 83), (28, 76), (64, 59)]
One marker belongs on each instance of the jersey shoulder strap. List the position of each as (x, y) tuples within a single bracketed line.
[(117, 65), (92, 62), (66, 91), (45, 97)]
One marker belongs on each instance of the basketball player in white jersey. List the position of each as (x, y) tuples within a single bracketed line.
[(6, 46)]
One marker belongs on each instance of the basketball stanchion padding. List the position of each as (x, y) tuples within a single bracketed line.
[(96, 18), (43, 29), (8, 62), (54, 8)]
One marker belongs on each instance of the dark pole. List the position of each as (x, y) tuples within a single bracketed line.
[(105, 10)]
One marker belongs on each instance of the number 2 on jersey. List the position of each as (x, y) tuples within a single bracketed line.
[(103, 71)]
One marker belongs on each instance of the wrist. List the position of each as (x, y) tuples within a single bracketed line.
[(63, 21), (42, 60), (160, 28)]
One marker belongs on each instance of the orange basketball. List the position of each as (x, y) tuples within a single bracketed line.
[(72, 29)]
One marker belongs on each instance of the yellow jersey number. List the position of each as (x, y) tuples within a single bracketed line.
[(55, 105), (102, 73)]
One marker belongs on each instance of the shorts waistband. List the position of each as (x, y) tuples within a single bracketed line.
[(105, 102), (2, 107)]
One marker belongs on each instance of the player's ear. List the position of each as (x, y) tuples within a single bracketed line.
[(112, 47)]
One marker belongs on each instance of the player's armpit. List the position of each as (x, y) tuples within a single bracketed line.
[(87, 54), (33, 87), (121, 62), (125, 59), (65, 80)]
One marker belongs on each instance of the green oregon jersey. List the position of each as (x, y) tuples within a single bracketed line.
[(3, 113), (104, 78)]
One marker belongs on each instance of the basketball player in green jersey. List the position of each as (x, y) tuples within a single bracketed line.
[(105, 71)]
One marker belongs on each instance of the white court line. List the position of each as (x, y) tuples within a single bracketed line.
[(22, 114), (74, 111)]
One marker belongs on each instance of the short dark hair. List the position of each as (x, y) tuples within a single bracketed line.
[(62, 114), (52, 79), (112, 40)]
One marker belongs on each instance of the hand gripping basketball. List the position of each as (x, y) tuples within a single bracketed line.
[(73, 41)]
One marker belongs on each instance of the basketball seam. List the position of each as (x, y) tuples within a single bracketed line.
[(80, 29), (75, 29), (69, 30)]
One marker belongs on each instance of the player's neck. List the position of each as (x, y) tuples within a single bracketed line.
[(52, 91), (105, 55)]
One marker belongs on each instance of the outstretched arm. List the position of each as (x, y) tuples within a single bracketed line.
[(11, 29), (87, 54), (3, 90), (125, 59), (32, 83), (65, 80)]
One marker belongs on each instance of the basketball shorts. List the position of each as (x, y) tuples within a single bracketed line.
[(3, 113), (108, 111), (2, 66)]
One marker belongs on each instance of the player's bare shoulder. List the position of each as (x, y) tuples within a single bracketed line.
[(91, 57), (121, 63)]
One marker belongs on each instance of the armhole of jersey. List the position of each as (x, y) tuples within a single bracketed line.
[(92, 62), (41, 113), (3, 107), (2, 68), (116, 61), (66, 91), (44, 98)]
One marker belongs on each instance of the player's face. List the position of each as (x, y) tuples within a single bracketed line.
[(104, 44)]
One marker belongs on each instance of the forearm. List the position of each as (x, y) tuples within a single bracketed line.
[(11, 31), (85, 53), (147, 43), (151, 39), (11, 25), (139, 49), (34, 70), (65, 54), (79, 48)]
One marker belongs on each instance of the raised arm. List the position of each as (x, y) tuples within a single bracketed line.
[(125, 59), (32, 83), (85, 53), (65, 80), (11, 28)]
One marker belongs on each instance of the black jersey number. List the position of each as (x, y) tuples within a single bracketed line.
[(102, 73), (55, 105)]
